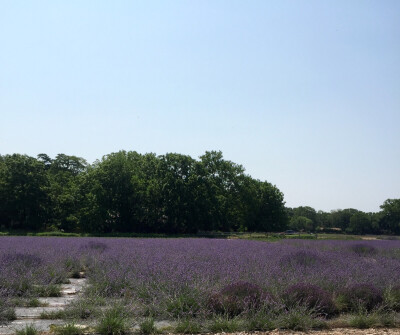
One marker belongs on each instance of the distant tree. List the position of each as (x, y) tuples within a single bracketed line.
[(130, 192), (45, 159), (360, 223), (23, 192), (390, 219), (307, 212), (64, 191), (301, 223), (341, 218), (323, 219), (269, 211), (112, 194), (223, 181), (177, 175)]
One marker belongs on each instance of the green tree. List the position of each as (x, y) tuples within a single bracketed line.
[(301, 223), (307, 212), (23, 192), (223, 181), (341, 218), (323, 220), (360, 223), (266, 207), (112, 194), (178, 177), (390, 219), (64, 191)]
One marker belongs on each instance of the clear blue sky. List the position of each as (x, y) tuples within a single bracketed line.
[(303, 94)]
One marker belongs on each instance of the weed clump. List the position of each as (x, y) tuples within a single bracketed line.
[(112, 323), (224, 324), (7, 314), (52, 315), (363, 321), (48, 291), (183, 305), (68, 329), (28, 330), (259, 322), (147, 327), (188, 327), (300, 318)]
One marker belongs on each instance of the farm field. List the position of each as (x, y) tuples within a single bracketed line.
[(204, 285)]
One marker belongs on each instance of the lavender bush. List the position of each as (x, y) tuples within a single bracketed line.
[(310, 296), (362, 296), (237, 298)]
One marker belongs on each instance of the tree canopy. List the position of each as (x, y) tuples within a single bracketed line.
[(132, 192), (173, 193)]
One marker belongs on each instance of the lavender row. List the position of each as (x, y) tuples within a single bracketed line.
[(159, 272)]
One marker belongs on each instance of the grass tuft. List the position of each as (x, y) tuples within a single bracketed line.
[(28, 330), (363, 321), (52, 315), (300, 318), (147, 327), (224, 324), (84, 308), (188, 327), (112, 322), (259, 322), (48, 291), (68, 329)]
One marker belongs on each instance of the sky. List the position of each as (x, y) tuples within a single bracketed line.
[(303, 94)]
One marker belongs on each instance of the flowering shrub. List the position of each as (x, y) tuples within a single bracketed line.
[(96, 245), (364, 296), (238, 297), (22, 260), (392, 297), (363, 249), (196, 277), (310, 296), (304, 258)]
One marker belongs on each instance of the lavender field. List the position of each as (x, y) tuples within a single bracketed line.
[(200, 279)]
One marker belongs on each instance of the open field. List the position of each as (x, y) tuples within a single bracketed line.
[(206, 285)]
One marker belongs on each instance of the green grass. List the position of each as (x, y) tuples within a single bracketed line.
[(259, 322), (7, 314), (57, 233), (147, 327), (68, 329), (85, 308), (48, 291), (224, 324), (52, 315), (28, 330), (34, 302), (188, 327), (260, 236), (299, 318), (112, 322)]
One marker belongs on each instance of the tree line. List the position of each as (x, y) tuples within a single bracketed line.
[(132, 192), (173, 193), (350, 220)]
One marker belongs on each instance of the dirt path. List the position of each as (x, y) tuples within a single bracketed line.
[(32, 315)]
